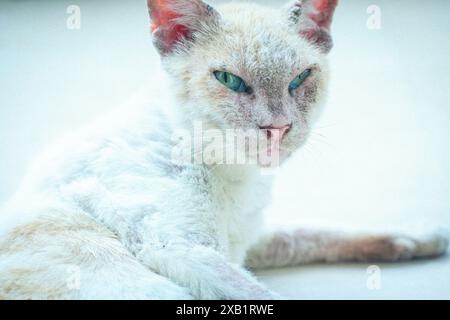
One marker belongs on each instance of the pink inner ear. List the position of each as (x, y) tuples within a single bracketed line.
[(161, 17), (323, 11)]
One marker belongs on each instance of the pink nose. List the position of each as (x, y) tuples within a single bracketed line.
[(276, 132)]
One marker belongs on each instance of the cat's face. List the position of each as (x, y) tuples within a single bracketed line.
[(246, 66)]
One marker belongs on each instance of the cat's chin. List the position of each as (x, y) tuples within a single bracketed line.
[(272, 160)]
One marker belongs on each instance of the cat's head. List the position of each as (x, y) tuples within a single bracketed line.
[(246, 66)]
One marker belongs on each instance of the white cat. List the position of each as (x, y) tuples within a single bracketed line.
[(108, 214)]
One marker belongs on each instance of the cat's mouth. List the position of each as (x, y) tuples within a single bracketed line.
[(275, 134), (274, 149), (266, 146)]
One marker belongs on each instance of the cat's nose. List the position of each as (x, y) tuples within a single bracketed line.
[(276, 132)]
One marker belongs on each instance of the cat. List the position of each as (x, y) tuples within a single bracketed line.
[(108, 214)]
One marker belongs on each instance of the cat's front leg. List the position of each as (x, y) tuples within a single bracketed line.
[(300, 246), (204, 271)]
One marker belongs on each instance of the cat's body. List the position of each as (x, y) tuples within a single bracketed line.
[(123, 177), (110, 208)]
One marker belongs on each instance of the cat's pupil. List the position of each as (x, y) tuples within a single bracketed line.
[(232, 82), (299, 80)]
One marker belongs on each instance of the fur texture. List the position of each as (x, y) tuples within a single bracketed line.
[(109, 206)]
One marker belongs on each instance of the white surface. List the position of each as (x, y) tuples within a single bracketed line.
[(381, 159)]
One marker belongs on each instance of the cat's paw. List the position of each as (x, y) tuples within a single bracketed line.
[(259, 294), (163, 291), (240, 291), (266, 295), (431, 244)]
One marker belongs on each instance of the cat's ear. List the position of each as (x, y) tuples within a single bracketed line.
[(313, 18), (174, 21)]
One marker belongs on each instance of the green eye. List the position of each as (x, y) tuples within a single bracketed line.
[(298, 81), (231, 81)]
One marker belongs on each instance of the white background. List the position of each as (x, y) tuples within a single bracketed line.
[(380, 158)]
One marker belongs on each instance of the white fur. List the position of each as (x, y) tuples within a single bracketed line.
[(109, 201)]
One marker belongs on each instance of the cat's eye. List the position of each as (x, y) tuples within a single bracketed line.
[(299, 80), (232, 81)]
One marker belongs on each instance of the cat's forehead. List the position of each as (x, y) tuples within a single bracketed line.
[(258, 42)]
